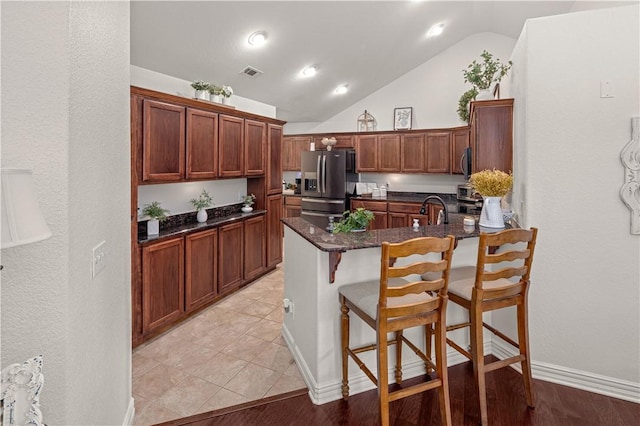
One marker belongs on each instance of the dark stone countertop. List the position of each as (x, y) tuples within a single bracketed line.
[(189, 228), (359, 240), (410, 197)]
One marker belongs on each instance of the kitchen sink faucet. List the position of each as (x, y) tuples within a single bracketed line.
[(423, 209)]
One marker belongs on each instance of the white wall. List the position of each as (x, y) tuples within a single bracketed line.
[(65, 76), (585, 294), (432, 89)]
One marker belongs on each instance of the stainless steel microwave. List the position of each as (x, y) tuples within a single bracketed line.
[(467, 193)]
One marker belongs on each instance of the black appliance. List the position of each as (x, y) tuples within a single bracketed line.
[(466, 163), (469, 201), (328, 181)]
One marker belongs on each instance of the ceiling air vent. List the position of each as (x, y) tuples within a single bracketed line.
[(251, 72)]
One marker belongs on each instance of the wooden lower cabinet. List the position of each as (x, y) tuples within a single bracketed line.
[(162, 283), (274, 230), (201, 275), (230, 249), (255, 256), (379, 210), (402, 214), (292, 206)]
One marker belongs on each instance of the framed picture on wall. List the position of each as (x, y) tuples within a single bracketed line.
[(402, 118)]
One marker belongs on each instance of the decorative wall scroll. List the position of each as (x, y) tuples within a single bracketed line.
[(630, 191), (21, 386)]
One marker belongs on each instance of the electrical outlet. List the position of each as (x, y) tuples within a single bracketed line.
[(99, 258)]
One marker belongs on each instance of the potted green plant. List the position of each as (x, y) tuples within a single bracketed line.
[(247, 202), (201, 88), (215, 93), (482, 76), (354, 221), (201, 203), (156, 214), (227, 91)]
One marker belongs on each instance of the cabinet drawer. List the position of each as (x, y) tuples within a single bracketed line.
[(292, 201), (374, 206), (404, 207)]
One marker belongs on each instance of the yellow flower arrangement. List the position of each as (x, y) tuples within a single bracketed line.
[(491, 183)]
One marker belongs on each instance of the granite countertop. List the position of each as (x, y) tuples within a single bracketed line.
[(410, 197), (358, 240), (190, 228)]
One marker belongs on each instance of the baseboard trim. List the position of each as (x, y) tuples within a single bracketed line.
[(131, 413), (584, 380)]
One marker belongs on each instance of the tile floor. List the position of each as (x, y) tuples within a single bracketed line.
[(230, 353)]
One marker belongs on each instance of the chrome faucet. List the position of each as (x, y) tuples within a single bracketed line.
[(423, 209)]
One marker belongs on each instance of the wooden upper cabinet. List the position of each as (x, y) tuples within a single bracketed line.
[(413, 153), (162, 283), (492, 135), (202, 144), (292, 147), (459, 143), (367, 153), (274, 159), (342, 141), (255, 140), (231, 146), (389, 153), (438, 152), (201, 275), (163, 142)]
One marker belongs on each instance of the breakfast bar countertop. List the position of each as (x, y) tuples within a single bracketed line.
[(327, 242)]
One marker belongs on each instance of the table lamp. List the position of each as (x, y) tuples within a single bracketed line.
[(22, 220)]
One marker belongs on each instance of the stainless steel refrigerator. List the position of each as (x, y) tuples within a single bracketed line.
[(328, 181)]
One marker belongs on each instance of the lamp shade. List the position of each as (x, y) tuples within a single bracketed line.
[(22, 221)]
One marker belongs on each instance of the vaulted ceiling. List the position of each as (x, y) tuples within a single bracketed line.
[(364, 44)]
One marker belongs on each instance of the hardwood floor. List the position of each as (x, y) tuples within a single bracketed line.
[(556, 405)]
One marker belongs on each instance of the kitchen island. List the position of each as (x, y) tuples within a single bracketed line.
[(316, 264)]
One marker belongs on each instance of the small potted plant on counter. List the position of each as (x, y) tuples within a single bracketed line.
[(201, 203), (355, 221), (156, 214), (201, 88), (247, 202)]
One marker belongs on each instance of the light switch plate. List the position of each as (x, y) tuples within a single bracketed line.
[(99, 258), (606, 89)]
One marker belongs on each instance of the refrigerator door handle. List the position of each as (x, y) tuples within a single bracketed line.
[(322, 201), (318, 176), (324, 174)]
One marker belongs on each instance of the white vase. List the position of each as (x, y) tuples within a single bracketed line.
[(215, 98), (484, 95), (491, 215), (202, 215), (225, 100), (153, 227), (247, 209), (202, 94)]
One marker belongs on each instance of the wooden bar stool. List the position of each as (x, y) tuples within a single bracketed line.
[(396, 302), (510, 254)]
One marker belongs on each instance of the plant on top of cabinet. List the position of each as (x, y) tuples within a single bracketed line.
[(215, 92), (201, 88), (203, 201), (463, 103), (156, 214), (357, 220), (483, 75)]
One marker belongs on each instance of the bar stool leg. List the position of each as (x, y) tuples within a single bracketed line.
[(398, 371), (477, 352), (441, 366), (523, 340), (383, 374), (345, 344)]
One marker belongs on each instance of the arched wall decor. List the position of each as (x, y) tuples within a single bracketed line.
[(630, 191)]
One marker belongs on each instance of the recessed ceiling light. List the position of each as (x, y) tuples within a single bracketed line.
[(258, 38), (341, 90), (436, 30), (309, 71)]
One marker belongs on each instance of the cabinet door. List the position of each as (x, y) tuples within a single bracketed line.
[(379, 221), (292, 151), (255, 257), (434, 211), (163, 142), (292, 206), (389, 153), (422, 219), (438, 152), (367, 153), (201, 275), (274, 230), (398, 220), (459, 142), (413, 153), (230, 251), (231, 146), (255, 139), (492, 135), (202, 144), (162, 283), (274, 159)]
